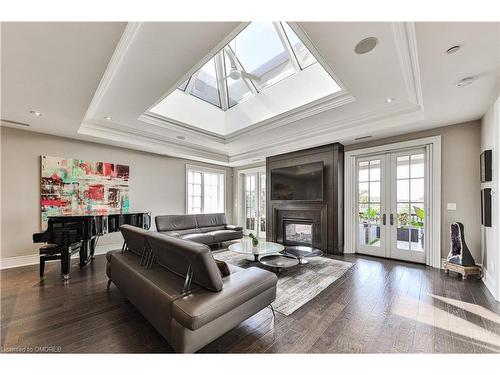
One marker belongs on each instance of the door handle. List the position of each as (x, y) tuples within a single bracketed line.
[(383, 219), (392, 219)]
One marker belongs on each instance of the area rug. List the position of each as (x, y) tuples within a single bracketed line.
[(296, 285)]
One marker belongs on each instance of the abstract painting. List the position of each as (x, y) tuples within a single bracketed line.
[(80, 187)]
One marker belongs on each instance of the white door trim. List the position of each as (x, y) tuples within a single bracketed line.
[(240, 185), (433, 145)]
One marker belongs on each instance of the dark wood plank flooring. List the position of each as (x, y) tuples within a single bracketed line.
[(378, 306)]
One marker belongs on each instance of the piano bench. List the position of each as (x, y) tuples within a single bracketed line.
[(56, 252)]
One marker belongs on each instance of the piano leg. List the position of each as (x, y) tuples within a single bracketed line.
[(84, 253), (93, 244), (65, 262)]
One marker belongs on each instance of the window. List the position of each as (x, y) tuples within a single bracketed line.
[(303, 55), (205, 190), (262, 54), (205, 85)]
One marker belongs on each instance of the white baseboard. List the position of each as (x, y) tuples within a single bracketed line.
[(489, 282), (26, 260)]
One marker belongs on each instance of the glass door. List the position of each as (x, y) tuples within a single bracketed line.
[(408, 205), (391, 201), (254, 192), (371, 217)]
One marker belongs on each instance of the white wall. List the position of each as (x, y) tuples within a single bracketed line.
[(157, 183), (490, 237)]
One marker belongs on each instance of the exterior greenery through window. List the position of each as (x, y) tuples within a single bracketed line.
[(205, 190)]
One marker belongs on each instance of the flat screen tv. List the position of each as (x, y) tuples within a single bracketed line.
[(298, 183)]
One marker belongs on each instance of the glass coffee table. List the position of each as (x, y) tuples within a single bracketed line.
[(303, 252), (262, 249), (279, 261)]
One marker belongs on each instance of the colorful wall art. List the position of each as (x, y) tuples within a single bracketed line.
[(80, 187)]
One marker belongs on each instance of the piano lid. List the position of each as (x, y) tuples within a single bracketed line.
[(100, 213)]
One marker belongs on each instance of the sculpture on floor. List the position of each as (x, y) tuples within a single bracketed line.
[(459, 252)]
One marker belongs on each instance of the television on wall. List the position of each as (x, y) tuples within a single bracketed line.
[(298, 183)]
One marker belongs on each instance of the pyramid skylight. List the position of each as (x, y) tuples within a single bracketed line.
[(263, 72), (261, 55)]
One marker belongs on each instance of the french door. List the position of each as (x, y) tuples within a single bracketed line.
[(391, 205), (254, 200)]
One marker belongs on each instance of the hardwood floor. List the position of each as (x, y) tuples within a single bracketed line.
[(378, 306)]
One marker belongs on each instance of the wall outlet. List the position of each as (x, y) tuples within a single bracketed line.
[(451, 206)]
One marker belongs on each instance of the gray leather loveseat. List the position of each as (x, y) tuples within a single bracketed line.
[(208, 229), (179, 288)]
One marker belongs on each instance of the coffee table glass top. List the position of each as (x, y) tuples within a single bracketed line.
[(303, 251), (279, 261), (263, 248)]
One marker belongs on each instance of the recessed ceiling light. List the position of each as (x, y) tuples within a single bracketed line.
[(364, 137), (453, 49), (108, 118), (181, 137), (389, 100), (365, 45), (36, 113), (465, 82)]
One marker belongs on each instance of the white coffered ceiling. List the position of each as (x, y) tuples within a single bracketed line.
[(79, 74)]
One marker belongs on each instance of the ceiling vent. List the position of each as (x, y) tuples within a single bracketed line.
[(361, 138), (16, 123)]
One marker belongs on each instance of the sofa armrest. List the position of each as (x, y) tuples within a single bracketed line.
[(202, 306), (234, 227)]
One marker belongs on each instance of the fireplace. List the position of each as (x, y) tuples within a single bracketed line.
[(302, 220), (298, 232)]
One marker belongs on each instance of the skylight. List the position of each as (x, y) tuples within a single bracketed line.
[(265, 71), (261, 55)]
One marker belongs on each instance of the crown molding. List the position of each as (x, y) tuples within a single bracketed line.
[(332, 132), (131, 138), (406, 45), (328, 102), (160, 137), (121, 49), (320, 105), (165, 123)]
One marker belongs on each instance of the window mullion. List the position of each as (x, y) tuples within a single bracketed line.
[(286, 45), (221, 81), (202, 192)]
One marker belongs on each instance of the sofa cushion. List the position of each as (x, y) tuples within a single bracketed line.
[(211, 220), (226, 235), (204, 238), (175, 222), (211, 229), (234, 227), (182, 232), (201, 307), (177, 254)]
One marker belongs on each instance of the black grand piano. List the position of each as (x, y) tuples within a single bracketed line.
[(67, 234)]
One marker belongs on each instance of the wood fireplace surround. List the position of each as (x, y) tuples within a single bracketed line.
[(326, 216)]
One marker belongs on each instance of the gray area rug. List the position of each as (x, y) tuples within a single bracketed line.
[(296, 285)]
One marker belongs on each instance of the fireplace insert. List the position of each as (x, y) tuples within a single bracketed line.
[(297, 232)]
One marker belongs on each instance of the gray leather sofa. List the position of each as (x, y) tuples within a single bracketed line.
[(177, 285), (208, 229)]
